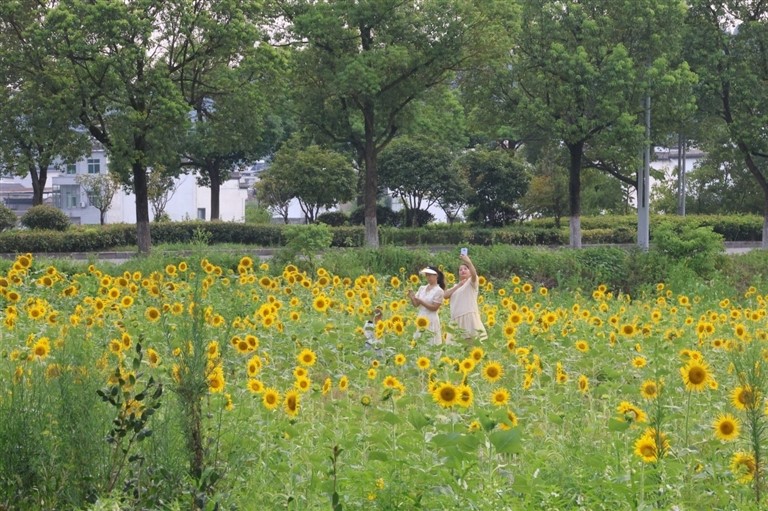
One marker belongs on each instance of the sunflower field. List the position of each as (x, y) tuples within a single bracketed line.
[(251, 387)]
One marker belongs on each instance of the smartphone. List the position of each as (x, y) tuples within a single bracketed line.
[(464, 251)]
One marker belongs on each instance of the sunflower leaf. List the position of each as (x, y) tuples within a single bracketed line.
[(507, 441)]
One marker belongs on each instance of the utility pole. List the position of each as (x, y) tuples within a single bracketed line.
[(681, 157), (643, 185)]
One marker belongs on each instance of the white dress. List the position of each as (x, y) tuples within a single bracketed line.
[(465, 314), (434, 296)]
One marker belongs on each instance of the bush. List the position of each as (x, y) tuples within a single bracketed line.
[(697, 247), (384, 216), (45, 216), (417, 217), (255, 214), (333, 218), (8, 218)]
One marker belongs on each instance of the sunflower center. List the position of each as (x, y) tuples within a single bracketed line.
[(448, 394), (697, 375)]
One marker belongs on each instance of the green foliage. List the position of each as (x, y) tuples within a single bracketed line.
[(8, 219), (497, 180), (384, 215), (333, 218), (418, 172), (135, 398), (699, 247), (254, 214), (45, 217), (303, 243), (315, 176)]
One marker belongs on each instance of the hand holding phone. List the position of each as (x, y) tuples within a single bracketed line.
[(464, 251)]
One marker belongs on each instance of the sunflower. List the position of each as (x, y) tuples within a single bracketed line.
[(327, 386), (631, 412), (255, 386), (321, 303), (372, 373), (153, 357), (270, 399), (628, 329), (492, 371), (422, 322), (743, 466), (744, 398), (216, 380), (582, 346), (466, 396), (423, 363), (343, 383), (695, 375), (302, 384), (291, 403), (512, 418), (446, 395), (726, 427), (307, 357), (477, 354), (650, 389), (399, 359), (41, 349), (500, 397), (583, 383), (467, 365), (152, 314), (639, 362), (391, 382), (645, 448)]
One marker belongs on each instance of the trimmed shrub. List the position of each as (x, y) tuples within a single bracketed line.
[(8, 219), (333, 218), (384, 216), (45, 216)]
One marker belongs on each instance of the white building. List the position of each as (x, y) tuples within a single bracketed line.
[(188, 202)]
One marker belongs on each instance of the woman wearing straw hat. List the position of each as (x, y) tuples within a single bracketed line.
[(428, 299)]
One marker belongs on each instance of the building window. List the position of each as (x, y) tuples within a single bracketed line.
[(94, 166), (201, 213), (71, 168), (69, 196)]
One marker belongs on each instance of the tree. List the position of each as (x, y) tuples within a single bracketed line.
[(275, 197), (417, 172), (234, 122), (548, 191), (578, 74), (160, 190), (728, 50), (362, 64), (129, 61), (100, 189), (37, 127), (498, 179), (316, 177)]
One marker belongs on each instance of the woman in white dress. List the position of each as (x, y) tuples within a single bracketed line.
[(428, 299), (465, 313)]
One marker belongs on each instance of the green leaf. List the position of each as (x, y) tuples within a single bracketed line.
[(507, 441), (615, 424)]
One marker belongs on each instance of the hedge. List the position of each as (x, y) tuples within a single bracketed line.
[(595, 230)]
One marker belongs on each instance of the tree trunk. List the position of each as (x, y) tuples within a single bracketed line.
[(576, 152), (214, 173), (39, 179), (143, 238), (371, 181)]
